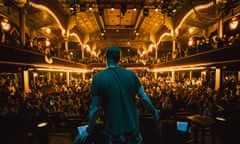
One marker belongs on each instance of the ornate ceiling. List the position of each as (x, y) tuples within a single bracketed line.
[(124, 27)]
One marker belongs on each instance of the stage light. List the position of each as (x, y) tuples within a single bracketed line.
[(112, 7), (90, 7), (233, 24), (135, 8), (42, 124), (156, 7)]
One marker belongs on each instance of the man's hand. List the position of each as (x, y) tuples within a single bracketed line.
[(156, 114), (82, 134)]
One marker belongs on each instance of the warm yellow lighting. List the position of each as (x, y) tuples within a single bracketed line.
[(143, 53), (94, 53), (21, 3), (193, 11), (42, 7), (48, 30), (233, 24), (35, 74), (90, 7), (87, 47), (177, 69), (76, 36), (190, 41), (42, 124), (48, 43), (5, 25), (57, 68), (221, 118), (150, 48), (163, 35), (112, 8), (190, 30)]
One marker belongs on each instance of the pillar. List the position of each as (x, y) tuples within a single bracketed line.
[(238, 76), (156, 52), (26, 81), (217, 78), (190, 75), (174, 47), (31, 39), (83, 76), (66, 40), (82, 48), (22, 23), (68, 78), (155, 75), (173, 76), (49, 76), (220, 21)]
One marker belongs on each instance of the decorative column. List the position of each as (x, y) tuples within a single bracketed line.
[(220, 26), (22, 20), (238, 76), (156, 51), (82, 48), (173, 45), (32, 36), (173, 76), (155, 75), (217, 78), (68, 78), (83, 76), (49, 76), (66, 40), (26, 80), (220, 17), (190, 75)]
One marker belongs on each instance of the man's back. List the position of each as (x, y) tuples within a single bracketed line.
[(117, 87)]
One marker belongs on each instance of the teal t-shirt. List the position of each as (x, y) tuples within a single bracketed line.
[(117, 88)]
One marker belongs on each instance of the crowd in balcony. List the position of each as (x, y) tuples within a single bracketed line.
[(12, 37)]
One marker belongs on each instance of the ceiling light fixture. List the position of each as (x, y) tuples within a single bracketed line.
[(135, 8), (90, 7), (112, 7), (156, 7)]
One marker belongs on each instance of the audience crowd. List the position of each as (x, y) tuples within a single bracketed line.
[(58, 102)]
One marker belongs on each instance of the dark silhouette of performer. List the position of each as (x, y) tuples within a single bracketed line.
[(116, 89)]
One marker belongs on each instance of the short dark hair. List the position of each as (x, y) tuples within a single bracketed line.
[(113, 53)]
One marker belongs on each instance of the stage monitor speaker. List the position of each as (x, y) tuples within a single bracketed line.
[(149, 130)]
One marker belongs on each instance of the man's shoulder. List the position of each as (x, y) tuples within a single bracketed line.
[(126, 71), (101, 73)]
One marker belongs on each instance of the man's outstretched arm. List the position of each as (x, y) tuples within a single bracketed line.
[(146, 101), (93, 113)]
